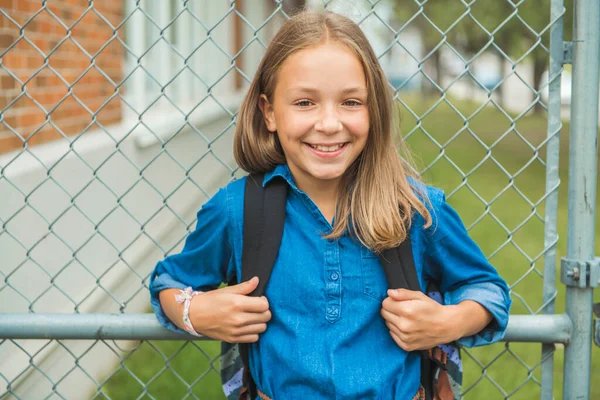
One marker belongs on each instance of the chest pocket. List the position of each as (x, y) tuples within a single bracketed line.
[(373, 277)]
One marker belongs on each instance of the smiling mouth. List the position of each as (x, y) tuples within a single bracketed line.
[(326, 148)]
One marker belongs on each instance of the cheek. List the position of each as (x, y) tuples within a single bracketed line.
[(293, 124), (359, 125)]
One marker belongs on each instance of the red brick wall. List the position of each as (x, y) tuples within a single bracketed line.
[(42, 83)]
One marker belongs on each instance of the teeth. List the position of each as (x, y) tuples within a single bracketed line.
[(327, 148)]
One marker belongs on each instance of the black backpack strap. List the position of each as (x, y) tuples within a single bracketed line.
[(399, 266), (264, 217)]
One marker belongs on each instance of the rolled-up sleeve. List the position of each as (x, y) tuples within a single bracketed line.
[(204, 262), (454, 260)]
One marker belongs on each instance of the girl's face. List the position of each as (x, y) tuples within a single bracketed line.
[(319, 112)]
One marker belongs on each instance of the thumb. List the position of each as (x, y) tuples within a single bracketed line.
[(404, 294), (244, 288)]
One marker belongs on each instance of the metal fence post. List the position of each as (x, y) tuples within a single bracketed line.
[(557, 12), (582, 194)]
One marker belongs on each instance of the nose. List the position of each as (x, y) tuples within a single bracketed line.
[(329, 122)]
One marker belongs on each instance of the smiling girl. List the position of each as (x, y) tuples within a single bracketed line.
[(319, 115)]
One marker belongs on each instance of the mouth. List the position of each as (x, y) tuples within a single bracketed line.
[(327, 148), (327, 151)]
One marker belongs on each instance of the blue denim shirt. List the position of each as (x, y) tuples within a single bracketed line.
[(326, 338)]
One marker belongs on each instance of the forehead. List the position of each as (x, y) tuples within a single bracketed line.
[(328, 67)]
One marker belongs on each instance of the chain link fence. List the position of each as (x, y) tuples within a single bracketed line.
[(116, 124)]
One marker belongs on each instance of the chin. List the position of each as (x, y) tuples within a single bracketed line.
[(328, 175)]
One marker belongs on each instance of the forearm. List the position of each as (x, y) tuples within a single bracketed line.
[(467, 318), (171, 307)]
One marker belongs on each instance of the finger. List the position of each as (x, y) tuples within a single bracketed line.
[(403, 337), (390, 317), (403, 309), (244, 288), (402, 343), (404, 294), (402, 325), (393, 328), (407, 324), (244, 339), (397, 339), (242, 319), (251, 304), (391, 305), (253, 329), (257, 318)]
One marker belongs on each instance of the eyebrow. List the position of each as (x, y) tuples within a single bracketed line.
[(354, 89)]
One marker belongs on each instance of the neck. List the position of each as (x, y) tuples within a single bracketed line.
[(323, 193)]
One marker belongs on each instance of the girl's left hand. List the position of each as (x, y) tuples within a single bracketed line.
[(417, 322)]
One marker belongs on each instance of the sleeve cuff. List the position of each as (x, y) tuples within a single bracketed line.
[(495, 300), (161, 282)]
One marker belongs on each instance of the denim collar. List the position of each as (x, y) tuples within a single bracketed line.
[(282, 171)]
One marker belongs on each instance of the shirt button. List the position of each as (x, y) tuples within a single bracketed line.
[(334, 276)]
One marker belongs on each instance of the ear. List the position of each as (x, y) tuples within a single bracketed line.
[(267, 111)]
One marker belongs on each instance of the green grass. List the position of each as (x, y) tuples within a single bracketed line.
[(518, 260), (189, 365)]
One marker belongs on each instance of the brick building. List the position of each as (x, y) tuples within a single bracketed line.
[(58, 69)]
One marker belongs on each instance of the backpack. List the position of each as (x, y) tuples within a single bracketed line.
[(264, 215)]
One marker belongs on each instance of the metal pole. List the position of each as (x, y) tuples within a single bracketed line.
[(552, 181), (582, 191), (521, 328)]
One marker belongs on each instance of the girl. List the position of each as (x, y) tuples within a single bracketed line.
[(319, 114)]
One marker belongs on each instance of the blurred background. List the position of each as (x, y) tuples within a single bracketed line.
[(116, 124)]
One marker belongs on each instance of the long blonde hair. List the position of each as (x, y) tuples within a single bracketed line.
[(376, 200)]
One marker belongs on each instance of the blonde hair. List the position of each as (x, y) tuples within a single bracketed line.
[(376, 200)]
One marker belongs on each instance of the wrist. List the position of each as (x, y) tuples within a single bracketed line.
[(466, 318), (196, 317), (453, 323), (185, 298)]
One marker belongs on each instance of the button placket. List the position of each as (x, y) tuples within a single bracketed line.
[(333, 284)]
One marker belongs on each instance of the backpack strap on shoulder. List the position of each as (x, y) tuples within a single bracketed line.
[(401, 272), (399, 266), (264, 217)]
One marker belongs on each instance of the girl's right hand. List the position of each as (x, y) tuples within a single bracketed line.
[(229, 314)]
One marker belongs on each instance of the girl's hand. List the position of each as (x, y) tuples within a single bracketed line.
[(229, 314), (416, 322)]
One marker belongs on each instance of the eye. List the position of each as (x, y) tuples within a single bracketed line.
[(352, 103), (303, 103)]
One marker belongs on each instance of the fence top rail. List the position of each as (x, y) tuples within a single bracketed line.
[(521, 328)]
